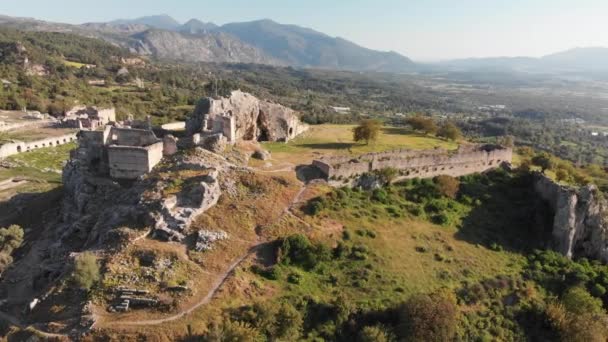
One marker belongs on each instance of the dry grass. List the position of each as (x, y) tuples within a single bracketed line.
[(338, 139)]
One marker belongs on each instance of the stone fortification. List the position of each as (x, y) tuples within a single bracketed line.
[(242, 116), (122, 153), (579, 227), (16, 147), (83, 117), (417, 164)]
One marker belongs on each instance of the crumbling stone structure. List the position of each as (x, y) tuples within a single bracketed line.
[(417, 164), (16, 147), (243, 117), (83, 117), (122, 153)]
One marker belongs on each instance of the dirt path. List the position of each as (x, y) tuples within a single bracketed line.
[(16, 322), (224, 276), (216, 287), (212, 292)]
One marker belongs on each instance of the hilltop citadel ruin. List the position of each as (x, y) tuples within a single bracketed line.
[(242, 116), (416, 164)]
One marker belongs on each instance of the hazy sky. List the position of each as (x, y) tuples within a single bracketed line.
[(420, 29)]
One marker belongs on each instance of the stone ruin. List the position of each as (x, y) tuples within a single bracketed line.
[(91, 118), (416, 164), (121, 153), (242, 116)]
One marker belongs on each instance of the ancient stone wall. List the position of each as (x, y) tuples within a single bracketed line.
[(417, 164), (16, 147), (123, 153), (130, 162), (132, 137)]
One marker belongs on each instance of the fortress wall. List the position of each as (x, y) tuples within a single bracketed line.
[(421, 164), (17, 147)]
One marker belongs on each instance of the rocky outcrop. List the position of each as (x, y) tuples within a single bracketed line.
[(580, 227), (178, 211), (253, 119)]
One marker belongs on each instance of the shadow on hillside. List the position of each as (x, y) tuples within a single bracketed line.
[(397, 130), (510, 216), (307, 173), (27, 209), (329, 146)]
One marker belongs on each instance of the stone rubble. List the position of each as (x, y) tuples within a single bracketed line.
[(206, 238)]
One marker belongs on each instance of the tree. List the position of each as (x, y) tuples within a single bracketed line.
[(449, 131), (578, 300), (288, 323), (10, 238), (579, 317), (431, 317), (447, 185), (373, 334), (368, 130), (508, 141), (86, 270), (543, 161), (423, 124)]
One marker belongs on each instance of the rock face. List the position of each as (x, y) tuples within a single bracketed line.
[(178, 211), (580, 228), (202, 47), (242, 116)]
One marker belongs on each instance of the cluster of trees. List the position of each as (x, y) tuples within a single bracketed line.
[(427, 125), (368, 130), (562, 138), (563, 170)]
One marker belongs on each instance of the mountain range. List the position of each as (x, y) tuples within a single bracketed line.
[(268, 42), (262, 42), (587, 60)]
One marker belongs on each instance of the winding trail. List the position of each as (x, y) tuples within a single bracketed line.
[(224, 276), (216, 287), (208, 297)]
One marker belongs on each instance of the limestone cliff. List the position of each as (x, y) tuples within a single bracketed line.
[(254, 119), (580, 227)]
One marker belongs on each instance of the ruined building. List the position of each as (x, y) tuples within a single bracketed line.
[(121, 153), (417, 164), (243, 117), (92, 118)]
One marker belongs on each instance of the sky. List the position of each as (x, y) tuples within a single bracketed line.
[(424, 30)]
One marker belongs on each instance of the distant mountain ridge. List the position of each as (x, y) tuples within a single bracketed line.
[(262, 41), (587, 59), (163, 22), (269, 42)]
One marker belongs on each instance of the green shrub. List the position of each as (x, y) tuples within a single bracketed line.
[(431, 317), (297, 250), (86, 270), (294, 278), (380, 195), (440, 219)]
